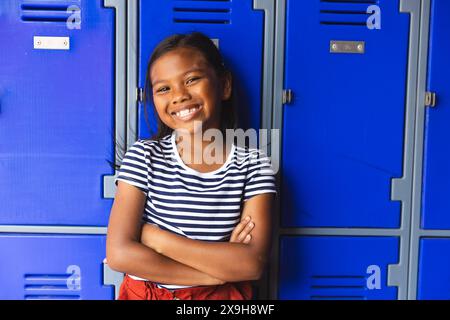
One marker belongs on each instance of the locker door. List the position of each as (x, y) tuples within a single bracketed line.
[(336, 268), (436, 174), (343, 133), (434, 269), (56, 112), (47, 267), (239, 30)]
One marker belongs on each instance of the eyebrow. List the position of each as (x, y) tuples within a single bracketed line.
[(187, 72)]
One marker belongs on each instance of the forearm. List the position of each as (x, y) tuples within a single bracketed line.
[(138, 260), (223, 260)]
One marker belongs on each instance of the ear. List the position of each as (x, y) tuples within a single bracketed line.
[(227, 85)]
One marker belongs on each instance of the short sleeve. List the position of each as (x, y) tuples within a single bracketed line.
[(134, 168), (260, 176)]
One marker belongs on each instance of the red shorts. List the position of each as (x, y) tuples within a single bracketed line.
[(146, 290)]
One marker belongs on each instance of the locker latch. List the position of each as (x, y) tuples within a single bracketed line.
[(430, 99), (140, 95), (288, 96)]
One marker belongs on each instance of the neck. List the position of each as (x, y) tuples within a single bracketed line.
[(196, 148)]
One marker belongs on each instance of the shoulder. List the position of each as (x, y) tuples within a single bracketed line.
[(251, 156), (152, 150), (259, 173), (151, 146), (145, 144), (254, 161)]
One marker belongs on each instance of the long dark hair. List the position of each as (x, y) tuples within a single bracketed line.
[(200, 42), (204, 45)]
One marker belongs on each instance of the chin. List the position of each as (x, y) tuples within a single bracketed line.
[(192, 127)]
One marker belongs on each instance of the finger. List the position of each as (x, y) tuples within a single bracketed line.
[(239, 228), (248, 228), (247, 239)]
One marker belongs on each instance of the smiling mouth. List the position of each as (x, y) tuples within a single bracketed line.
[(187, 114)]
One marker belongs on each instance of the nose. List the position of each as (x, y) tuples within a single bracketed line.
[(180, 94)]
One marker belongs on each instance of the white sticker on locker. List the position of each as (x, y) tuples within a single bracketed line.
[(52, 43)]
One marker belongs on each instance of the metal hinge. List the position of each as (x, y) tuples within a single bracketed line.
[(288, 96), (140, 95), (430, 99)]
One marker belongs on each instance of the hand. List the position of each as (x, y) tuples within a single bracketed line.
[(149, 234), (214, 281), (241, 234)]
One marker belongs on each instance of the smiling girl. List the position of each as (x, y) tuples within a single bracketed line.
[(181, 229)]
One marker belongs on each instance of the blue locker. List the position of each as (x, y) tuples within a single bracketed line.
[(436, 174), (343, 133), (62, 267), (237, 26), (56, 112), (434, 269), (336, 267)]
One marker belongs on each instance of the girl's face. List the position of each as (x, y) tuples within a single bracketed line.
[(187, 89)]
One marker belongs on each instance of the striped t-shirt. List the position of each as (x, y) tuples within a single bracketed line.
[(200, 206)]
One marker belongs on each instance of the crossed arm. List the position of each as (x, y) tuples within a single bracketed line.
[(168, 258), (224, 260)]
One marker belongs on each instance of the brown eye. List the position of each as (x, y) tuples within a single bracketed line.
[(162, 89), (190, 80)]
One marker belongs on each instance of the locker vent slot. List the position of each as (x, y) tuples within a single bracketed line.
[(49, 287), (202, 11), (345, 12), (337, 287), (46, 12)]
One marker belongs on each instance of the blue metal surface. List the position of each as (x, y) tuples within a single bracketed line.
[(56, 114), (239, 29), (436, 175), (343, 135), (336, 268), (62, 267), (434, 269)]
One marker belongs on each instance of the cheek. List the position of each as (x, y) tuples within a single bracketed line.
[(160, 105), (209, 92), (161, 111), (161, 114)]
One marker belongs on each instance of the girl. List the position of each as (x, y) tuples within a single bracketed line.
[(206, 231)]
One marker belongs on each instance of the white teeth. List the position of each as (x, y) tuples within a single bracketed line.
[(185, 112)]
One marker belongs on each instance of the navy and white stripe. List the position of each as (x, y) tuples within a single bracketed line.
[(201, 206)]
